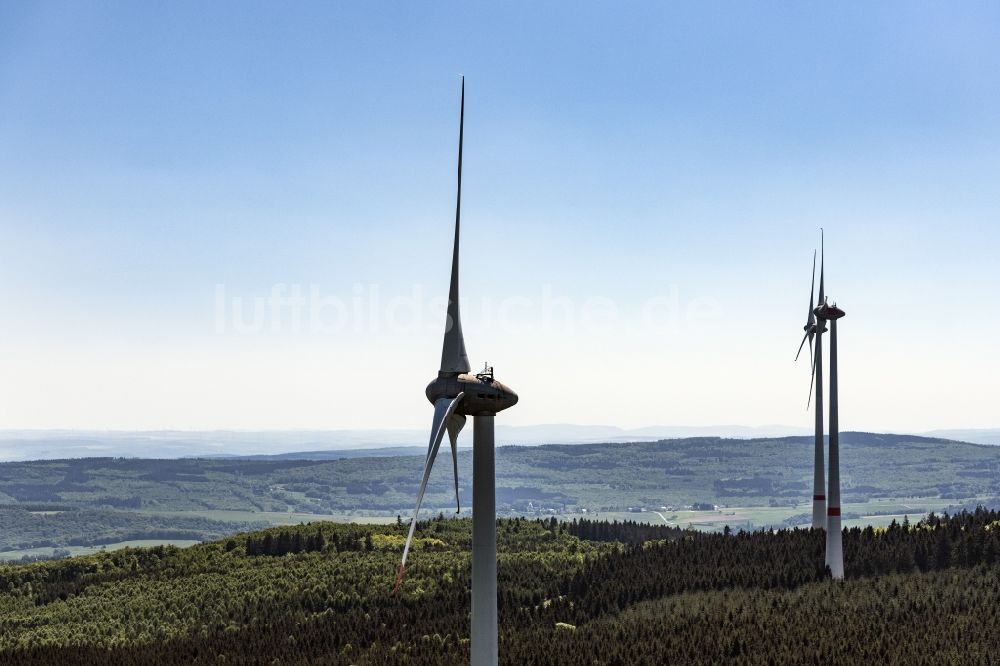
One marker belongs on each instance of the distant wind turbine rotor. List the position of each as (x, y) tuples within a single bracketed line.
[(810, 327), (813, 331)]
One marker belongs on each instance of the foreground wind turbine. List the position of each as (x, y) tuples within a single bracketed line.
[(816, 330), (456, 394)]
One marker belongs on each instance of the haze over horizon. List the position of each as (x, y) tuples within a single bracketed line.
[(222, 219), (21, 445)]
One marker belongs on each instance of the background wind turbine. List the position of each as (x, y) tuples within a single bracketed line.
[(834, 542), (815, 330), (456, 394)]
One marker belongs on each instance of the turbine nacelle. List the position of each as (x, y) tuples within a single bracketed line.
[(827, 312), (482, 393)]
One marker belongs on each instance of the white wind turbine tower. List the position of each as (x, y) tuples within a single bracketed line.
[(456, 394), (814, 329), (834, 536)]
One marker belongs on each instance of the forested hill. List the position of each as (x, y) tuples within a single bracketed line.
[(612, 476), (570, 593)]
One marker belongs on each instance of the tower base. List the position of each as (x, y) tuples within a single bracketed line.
[(834, 546)]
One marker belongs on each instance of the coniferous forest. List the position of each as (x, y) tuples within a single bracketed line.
[(570, 593)]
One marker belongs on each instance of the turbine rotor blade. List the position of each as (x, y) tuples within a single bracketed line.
[(812, 382), (812, 293), (455, 424), (443, 410), (454, 358), (812, 377), (822, 292), (803, 344)]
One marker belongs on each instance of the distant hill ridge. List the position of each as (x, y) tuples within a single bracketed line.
[(849, 437), (602, 475), (55, 444)]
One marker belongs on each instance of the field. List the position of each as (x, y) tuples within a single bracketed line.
[(878, 513), (875, 512), (278, 517), (72, 551)]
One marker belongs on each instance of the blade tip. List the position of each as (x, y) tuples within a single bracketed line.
[(399, 579)]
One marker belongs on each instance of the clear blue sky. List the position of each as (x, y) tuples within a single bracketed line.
[(619, 160)]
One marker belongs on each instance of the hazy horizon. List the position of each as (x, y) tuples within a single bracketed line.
[(20, 445)]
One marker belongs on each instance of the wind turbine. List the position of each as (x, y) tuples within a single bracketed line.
[(815, 330), (834, 537), (455, 394)]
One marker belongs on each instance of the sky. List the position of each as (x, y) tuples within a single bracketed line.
[(239, 215)]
